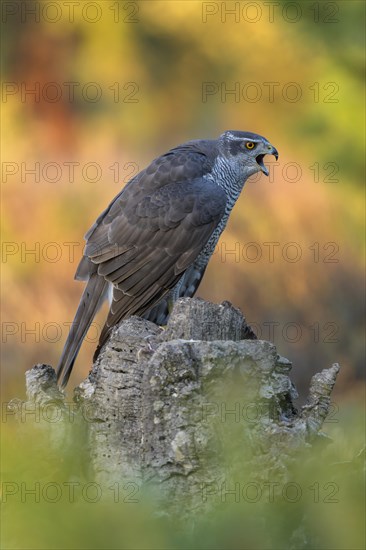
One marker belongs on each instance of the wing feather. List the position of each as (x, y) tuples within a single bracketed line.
[(154, 230)]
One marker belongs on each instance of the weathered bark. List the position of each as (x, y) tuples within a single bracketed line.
[(172, 407)]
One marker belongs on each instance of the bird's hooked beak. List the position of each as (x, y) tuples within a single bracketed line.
[(268, 150)]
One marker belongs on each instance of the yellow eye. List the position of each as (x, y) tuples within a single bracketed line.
[(249, 145)]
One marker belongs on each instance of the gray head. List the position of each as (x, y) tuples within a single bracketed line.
[(246, 151)]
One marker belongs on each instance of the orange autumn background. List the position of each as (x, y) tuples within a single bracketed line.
[(89, 102)]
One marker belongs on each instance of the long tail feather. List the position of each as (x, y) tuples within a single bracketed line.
[(91, 300)]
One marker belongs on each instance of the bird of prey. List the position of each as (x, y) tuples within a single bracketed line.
[(152, 244)]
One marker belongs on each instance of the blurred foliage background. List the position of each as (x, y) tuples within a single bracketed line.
[(116, 84)]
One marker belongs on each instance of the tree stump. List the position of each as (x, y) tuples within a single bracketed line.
[(182, 408)]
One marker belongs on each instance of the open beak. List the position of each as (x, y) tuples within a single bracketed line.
[(259, 158)]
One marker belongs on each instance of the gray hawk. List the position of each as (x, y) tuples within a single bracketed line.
[(153, 242)]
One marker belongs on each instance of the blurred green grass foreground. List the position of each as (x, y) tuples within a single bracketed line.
[(50, 503)]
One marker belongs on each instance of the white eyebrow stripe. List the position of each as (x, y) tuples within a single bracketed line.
[(237, 138)]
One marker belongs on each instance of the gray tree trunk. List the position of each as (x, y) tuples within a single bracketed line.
[(184, 408)]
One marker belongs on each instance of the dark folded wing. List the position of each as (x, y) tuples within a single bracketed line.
[(153, 231)]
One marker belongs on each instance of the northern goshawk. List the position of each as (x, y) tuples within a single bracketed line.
[(154, 241)]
